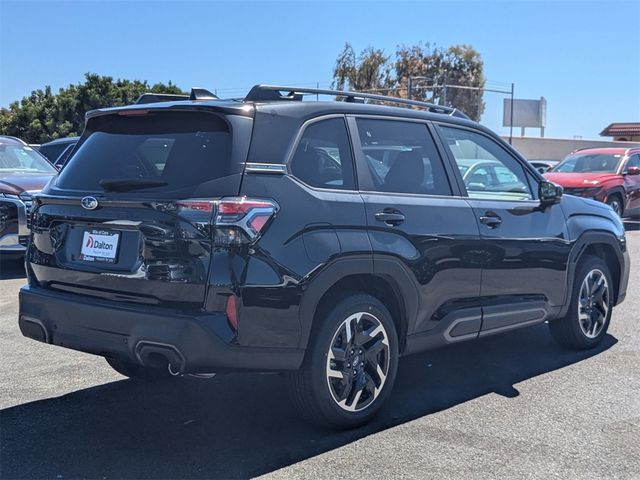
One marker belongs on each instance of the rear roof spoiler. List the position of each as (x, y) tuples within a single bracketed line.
[(197, 93)]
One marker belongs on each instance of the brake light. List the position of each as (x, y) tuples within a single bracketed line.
[(132, 113), (237, 220), (241, 206)]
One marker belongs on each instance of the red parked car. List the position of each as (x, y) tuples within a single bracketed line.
[(23, 173), (610, 175)]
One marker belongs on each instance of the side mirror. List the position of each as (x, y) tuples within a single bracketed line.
[(633, 171), (550, 193)]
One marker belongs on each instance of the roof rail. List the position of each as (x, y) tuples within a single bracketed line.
[(267, 93)]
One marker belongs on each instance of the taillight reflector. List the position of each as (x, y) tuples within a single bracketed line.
[(232, 312)]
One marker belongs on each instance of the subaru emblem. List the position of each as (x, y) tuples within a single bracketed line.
[(90, 203)]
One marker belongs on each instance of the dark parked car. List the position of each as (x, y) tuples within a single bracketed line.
[(58, 151), (23, 172), (322, 239), (609, 175)]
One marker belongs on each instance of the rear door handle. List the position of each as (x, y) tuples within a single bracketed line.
[(490, 219), (390, 218)]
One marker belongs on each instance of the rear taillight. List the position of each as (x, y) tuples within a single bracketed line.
[(198, 211), (241, 219), (237, 220)]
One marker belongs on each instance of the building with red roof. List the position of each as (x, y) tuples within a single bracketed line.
[(623, 132)]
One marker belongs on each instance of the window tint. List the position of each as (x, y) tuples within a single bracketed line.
[(402, 157), (185, 150), (323, 156), (488, 171)]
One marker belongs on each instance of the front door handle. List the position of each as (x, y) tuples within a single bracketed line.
[(491, 219), (391, 218)]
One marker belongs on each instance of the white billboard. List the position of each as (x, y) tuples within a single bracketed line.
[(526, 113)]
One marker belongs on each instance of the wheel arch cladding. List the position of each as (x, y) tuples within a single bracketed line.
[(381, 287), (607, 245), (607, 253)]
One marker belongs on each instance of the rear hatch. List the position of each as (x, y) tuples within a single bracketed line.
[(123, 220)]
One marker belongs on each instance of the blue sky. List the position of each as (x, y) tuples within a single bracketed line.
[(584, 57)]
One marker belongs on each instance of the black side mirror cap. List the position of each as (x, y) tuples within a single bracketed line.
[(550, 193)]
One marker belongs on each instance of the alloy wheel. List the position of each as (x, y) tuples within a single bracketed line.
[(615, 205), (358, 361), (593, 304)]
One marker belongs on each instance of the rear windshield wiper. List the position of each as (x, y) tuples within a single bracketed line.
[(126, 184)]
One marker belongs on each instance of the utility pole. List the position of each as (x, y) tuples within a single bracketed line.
[(511, 118)]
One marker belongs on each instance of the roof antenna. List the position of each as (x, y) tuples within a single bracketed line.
[(199, 93)]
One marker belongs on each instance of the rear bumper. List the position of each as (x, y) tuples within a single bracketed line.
[(192, 343)]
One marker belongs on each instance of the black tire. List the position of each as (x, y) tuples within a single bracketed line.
[(135, 371), (574, 331), (616, 203), (315, 389)]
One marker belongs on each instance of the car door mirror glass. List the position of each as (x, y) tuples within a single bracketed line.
[(550, 193)]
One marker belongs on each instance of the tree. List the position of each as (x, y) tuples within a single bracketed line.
[(436, 74), (367, 72), (44, 116), (445, 71)]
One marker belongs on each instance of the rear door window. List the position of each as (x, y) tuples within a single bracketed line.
[(175, 151), (402, 157), (323, 156)]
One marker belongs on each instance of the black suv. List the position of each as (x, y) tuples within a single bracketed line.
[(322, 239)]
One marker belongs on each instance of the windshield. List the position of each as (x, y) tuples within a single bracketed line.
[(586, 163), (159, 152), (23, 159)]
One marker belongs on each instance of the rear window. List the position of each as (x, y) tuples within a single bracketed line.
[(52, 152), (22, 159), (178, 151)]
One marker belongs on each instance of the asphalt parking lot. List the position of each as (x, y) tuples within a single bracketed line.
[(509, 406)]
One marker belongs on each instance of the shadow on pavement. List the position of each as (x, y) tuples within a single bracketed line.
[(11, 267), (631, 224), (242, 425)]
